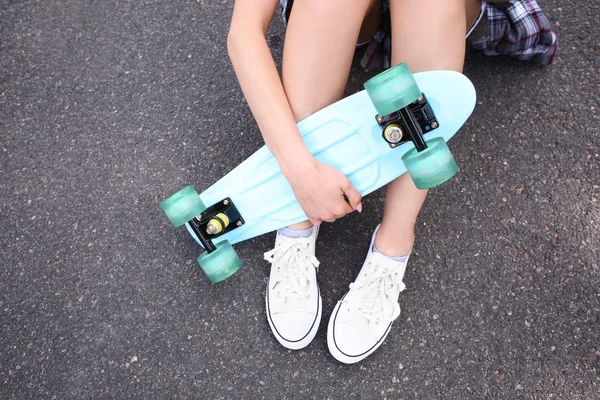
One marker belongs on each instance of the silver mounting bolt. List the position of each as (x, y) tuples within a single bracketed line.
[(421, 98), (239, 223), (379, 119), (225, 202), (393, 133), (434, 125), (211, 228)]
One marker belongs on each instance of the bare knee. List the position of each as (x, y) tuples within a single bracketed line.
[(318, 51), (440, 46)]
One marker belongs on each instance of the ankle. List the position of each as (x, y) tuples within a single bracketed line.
[(396, 242)]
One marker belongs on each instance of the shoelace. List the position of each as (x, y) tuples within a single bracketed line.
[(368, 295), (293, 266)]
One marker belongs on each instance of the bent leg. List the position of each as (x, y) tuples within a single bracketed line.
[(356, 327), (318, 51), (428, 35)]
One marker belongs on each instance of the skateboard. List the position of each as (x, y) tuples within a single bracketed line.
[(400, 122)]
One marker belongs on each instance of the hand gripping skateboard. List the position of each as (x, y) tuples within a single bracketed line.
[(400, 123)]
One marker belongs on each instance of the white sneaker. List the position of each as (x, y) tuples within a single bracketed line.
[(293, 298), (362, 319)]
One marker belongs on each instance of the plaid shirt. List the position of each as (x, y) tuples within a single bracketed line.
[(518, 28)]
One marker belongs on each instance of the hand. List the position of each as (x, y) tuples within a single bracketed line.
[(323, 192)]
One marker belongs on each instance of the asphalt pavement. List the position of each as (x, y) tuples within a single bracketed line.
[(107, 107)]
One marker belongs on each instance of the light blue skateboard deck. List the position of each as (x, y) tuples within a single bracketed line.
[(346, 136)]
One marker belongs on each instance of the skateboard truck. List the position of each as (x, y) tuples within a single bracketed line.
[(409, 124), (215, 221)]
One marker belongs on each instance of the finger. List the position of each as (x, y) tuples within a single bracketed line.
[(343, 208), (353, 196)]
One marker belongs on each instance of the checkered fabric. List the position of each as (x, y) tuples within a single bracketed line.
[(519, 29)]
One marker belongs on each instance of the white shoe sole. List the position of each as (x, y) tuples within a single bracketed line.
[(341, 356), (301, 343)]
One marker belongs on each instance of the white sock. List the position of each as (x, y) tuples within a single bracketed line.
[(401, 259), (291, 233)]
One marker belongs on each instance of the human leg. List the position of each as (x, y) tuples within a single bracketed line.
[(427, 35), (440, 46), (318, 51)]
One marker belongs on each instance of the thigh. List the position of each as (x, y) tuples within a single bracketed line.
[(429, 34), (318, 51)]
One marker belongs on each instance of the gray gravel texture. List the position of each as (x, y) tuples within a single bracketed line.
[(107, 107)]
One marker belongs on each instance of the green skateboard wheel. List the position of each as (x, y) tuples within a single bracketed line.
[(432, 166), (183, 206), (221, 263), (392, 89)]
